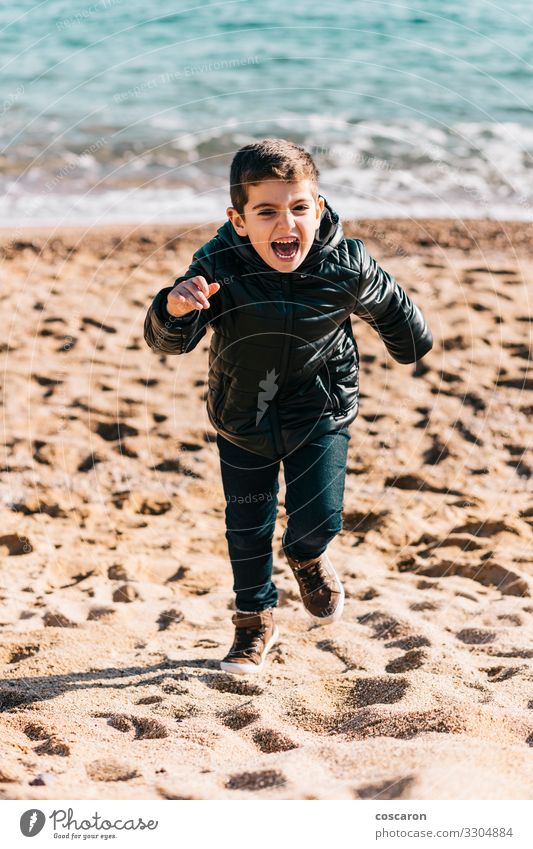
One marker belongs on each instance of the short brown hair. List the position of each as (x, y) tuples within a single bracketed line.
[(269, 159)]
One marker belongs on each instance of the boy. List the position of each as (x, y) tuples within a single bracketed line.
[(278, 284)]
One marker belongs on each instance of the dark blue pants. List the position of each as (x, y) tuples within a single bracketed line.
[(315, 475)]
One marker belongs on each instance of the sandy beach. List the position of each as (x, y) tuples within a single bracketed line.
[(115, 585)]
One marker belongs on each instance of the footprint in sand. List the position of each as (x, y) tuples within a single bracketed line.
[(427, 585), (488, 573), (97, 613), (437, 453), (378, 691), (522, 383), (469, 398), (393, 788), (240, 718), (415, 482), (383, 625), (467, 434), (491, 271), (522, 469), (169, 618), (90, 462), (449, 377), (368, 594), (111, 431), (51, 745), (521, 351), (424, 605), (258, 780), (366, 693), (229, 684), (269, 741), (344, 651), (476, 636), (14, 545), (408, 643), (486, 528), (186, 710), (106, 769), (17, 653), (413, 659), (145, 728), (43, 380), (360, 522), (510, 618), (175, 465), (496, 674), (191, 446), (91, 322), (53, 619), (172, 688), (475, 721), (68, 343)]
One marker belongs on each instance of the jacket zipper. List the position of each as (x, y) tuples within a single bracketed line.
[(284, 359), (287, 330)]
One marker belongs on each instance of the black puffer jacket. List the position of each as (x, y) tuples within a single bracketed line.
[(283, 361)]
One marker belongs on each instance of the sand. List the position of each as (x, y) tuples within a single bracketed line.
[(115, 582)]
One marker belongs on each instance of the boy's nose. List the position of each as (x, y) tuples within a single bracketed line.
[(287, 218)]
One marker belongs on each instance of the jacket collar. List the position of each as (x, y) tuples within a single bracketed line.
[(328, 235)]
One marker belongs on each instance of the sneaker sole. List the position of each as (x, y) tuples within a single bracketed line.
[(336, 615), (250, 668)]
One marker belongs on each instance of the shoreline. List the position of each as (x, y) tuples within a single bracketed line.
[(388, 236)]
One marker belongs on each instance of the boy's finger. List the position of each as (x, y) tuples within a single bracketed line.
[(213, 287), (188, 300), (201, 283), (196, 293), (195, 303)]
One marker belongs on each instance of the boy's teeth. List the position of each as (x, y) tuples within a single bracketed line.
[(285, 248)]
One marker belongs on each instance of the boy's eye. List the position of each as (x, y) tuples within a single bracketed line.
[(301, 206)]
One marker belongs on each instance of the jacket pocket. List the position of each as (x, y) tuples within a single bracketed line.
[(343, 390), (328, 387)]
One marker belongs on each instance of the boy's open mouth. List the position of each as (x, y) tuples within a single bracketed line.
[(286, 249)]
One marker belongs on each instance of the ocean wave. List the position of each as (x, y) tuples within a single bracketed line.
[(368, 168)]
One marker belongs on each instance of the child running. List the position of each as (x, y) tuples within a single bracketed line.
[(278, 284)]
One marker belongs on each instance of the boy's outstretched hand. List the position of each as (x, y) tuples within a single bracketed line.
[(191, 294)]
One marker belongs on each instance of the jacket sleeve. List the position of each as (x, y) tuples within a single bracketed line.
[(382, 302), (168, 334)]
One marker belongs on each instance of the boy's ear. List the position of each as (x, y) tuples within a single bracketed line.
[(320, 203), (237, 220)]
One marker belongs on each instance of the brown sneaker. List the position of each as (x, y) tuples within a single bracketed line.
[(255, 634), (321, 591)]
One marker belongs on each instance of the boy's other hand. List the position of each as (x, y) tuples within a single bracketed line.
[(191, 294)]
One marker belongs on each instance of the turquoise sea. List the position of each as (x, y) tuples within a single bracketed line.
[(118, 111)]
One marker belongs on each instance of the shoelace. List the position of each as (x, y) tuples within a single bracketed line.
[(247, 641), (311, 578)]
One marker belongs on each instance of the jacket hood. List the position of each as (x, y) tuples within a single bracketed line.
[(328, 235)]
